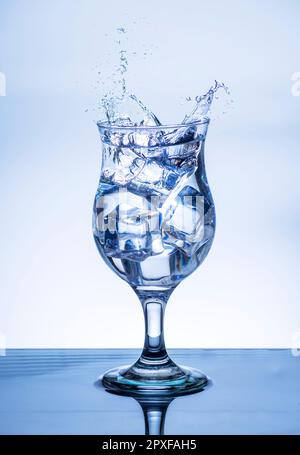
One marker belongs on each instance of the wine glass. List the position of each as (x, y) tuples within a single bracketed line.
[(153, 224)]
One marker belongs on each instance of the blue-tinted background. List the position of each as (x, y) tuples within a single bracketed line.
[(55, 290)]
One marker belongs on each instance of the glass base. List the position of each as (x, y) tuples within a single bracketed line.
[(170, 380)]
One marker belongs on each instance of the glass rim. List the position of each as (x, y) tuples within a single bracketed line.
[(105, 125)]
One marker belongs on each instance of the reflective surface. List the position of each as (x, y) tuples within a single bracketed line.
[(53, 392)]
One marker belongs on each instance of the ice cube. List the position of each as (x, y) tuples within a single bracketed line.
[(133, 235), (180, 154), (116, 138), (140, 138), (155, 178), (120, 165), (183, 157), (157, 267), (129, 111), (186, 225), (107, 203), (147, 137), (137, 136), (183, 151), (180, 135), (128, 231)]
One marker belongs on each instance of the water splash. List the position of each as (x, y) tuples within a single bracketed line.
[(126, 109), (123, 66), (204, 102), (150, 116), (123, 108), (111, 100)]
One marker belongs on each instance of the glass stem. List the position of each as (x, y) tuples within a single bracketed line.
[(154, 345), (154, 304)]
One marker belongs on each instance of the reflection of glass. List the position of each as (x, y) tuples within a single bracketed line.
[(153, 224), (154, 409)]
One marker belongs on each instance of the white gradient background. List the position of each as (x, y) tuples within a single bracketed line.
[(55, 290)]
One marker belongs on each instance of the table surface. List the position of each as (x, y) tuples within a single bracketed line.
[(52, 391)]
